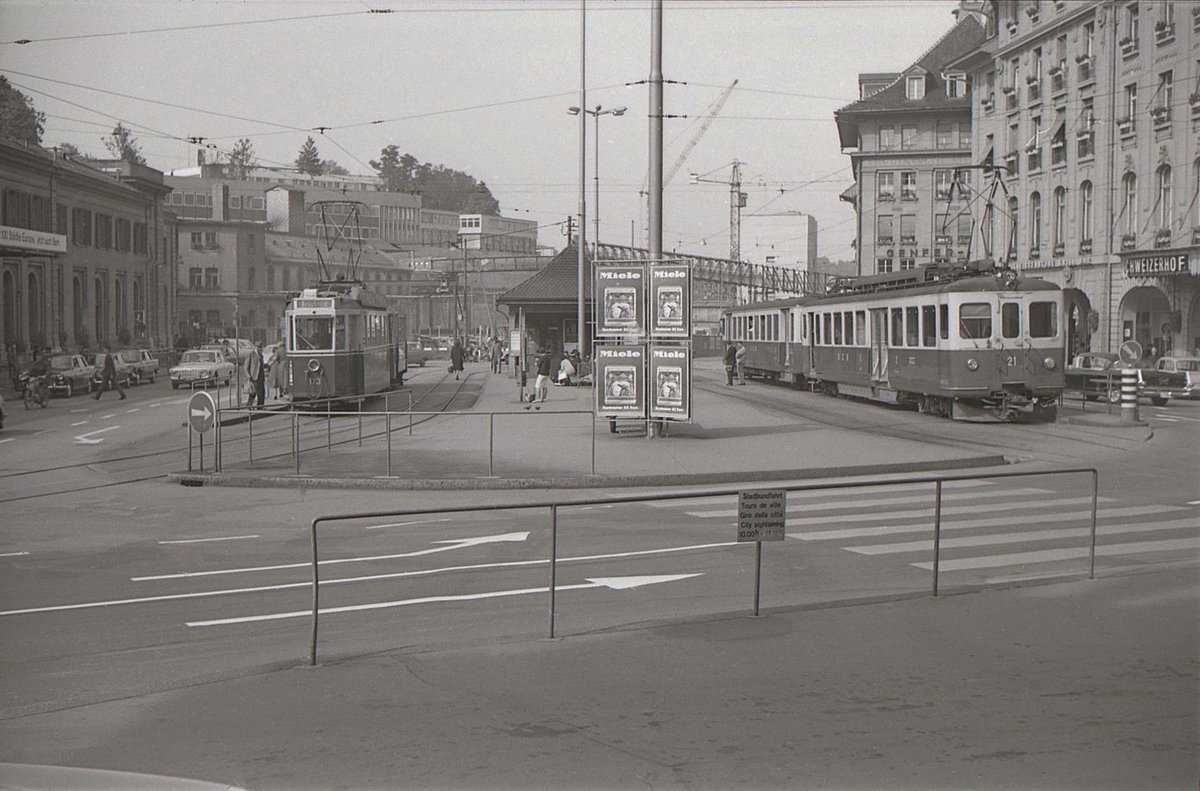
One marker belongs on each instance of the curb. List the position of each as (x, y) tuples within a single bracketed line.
[(569, 482)]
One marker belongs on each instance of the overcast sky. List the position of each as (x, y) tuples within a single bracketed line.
[(483, 86)]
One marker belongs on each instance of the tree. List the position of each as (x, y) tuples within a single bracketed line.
[(330, 167), (396, 171), (18, 118), (241, 159), (123, 145), (309, 159)]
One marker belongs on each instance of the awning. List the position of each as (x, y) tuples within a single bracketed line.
[(850, 195)]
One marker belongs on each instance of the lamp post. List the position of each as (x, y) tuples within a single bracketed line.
[(599, 111)]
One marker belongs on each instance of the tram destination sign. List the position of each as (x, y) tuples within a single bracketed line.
[(1158, 265), (762, 515)]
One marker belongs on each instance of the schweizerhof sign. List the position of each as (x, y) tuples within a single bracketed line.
[(1160, 265)]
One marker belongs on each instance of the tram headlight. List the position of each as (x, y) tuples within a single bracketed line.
[(1049, 363), (314, 366), (972, 364)]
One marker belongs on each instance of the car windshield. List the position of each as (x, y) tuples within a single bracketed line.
[(61, 361), (199, 357)]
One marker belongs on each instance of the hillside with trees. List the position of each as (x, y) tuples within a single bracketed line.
[(440, 187)]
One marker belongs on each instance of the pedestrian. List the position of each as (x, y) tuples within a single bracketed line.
[(456, 357), (740, 360), (252, 367), (495, 355), (278, 370), (730, 362), (107, 363), (260, 381), (542, 384)]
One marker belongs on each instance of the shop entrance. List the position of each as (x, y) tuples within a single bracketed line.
[(1145, 318)]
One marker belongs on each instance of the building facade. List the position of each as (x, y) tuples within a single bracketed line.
[(1090, 113), (909, 140), (88, 253)]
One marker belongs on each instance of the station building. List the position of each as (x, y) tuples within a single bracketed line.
[(87, 251)]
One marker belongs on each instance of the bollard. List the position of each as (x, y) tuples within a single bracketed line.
[(1129, 405)]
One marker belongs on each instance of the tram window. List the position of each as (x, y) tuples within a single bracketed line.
[(827, 322), (944, 321), (910, 326), (808, 324), (1010, 319), (775, 327), (1043, 320), (848, 321), (837, 329), (313, 333), (860, 327), (928, 325), (975, 320), (897, 327)]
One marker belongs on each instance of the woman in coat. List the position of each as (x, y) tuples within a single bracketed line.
[(456, 357)]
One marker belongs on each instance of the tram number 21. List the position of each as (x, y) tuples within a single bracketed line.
[(1010, 360)]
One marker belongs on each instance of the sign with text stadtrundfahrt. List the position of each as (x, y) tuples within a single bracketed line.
[(761, 515), (202, 411)]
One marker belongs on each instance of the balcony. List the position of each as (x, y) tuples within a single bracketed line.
[(1035, 253), (884, 241), (1128, 241), (1012, 99), (1129, 46), (1087, 143), (1035, 88), (1162, 238), (1060, 249), (1126, 128), (1164, 33), (1194, 101), (1012, 162), (907, 240), (1035, 159), (988, 103), (1085, 247), (1011, 25), (1031, 11), (908, 195), (886, 197), (1058, 79), (1161, 115), (1086, 68)]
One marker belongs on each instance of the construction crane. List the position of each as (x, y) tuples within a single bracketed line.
[(709, 114)]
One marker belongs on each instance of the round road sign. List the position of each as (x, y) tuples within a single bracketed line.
[(202, 411)]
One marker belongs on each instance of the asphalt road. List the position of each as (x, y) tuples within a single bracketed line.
[(115, 590)]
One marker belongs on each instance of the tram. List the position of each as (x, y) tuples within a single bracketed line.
[(974, 343), (342, 340)]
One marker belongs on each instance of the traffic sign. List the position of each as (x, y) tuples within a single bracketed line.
[(761, 515), (202, 411)]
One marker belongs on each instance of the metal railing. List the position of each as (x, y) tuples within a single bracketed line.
[(553, 507), (406, 421)]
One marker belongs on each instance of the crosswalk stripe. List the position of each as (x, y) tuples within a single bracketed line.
[(1066, 553), (1025, 535), (856, 503), (919, 513), (844, 533), (699, 502)]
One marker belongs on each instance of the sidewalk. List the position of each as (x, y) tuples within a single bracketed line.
[(552, 447), (1080, 685)]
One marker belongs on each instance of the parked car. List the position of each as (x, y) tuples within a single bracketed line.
[(124, 369), (416, 354), (238, 349), (142, 362), (201, 367), (1098, 375), (1188, 366), (70, 374)]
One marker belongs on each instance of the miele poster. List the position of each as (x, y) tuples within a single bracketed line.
[(670, 301), (620, 300), (620, 381), (671, 380)]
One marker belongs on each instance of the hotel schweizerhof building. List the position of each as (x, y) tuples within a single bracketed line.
[(1083, 166)]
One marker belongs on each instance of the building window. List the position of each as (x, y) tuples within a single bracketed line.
[(941, 229), (258, 203), (1165, 198), (908, 185), (235, 201), (965, 224), (197, 240), (908, 137), (210, 239), (914, 87), (81, 227), (886, 181), (211, 278), (942, 184), (1060, 220), (1129, 209), (1013, 227), (956, 85), (195, 278), (883, 265), (887, 138), (1085, 212), (1035, 221), (1160, 105), (884, 236), (908, 229), (1130, 102), (944, 134)]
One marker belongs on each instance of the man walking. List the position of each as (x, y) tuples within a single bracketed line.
[(542, 385), (730, 362), (740, 358), (108, 374)]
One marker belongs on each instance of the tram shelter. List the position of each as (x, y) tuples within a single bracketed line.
[(543, 310)]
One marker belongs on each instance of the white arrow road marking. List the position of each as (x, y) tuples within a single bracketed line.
[(407, 524), (461, 543), (13, 554), (79, 423), (86, 439), (131, 411), (205, 540), (857, 503), (10, 439), (613, 583), (373, 578)]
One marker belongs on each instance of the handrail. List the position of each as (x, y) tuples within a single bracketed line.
[(554, 505)]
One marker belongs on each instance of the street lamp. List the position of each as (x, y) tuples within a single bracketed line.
[(599, 111)]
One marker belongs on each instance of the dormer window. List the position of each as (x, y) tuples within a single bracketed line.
[(956, 85), (914, 86)]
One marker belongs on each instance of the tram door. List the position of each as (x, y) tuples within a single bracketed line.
[(879, 346)]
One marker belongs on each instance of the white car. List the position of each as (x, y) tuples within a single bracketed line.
[(201, 367)]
